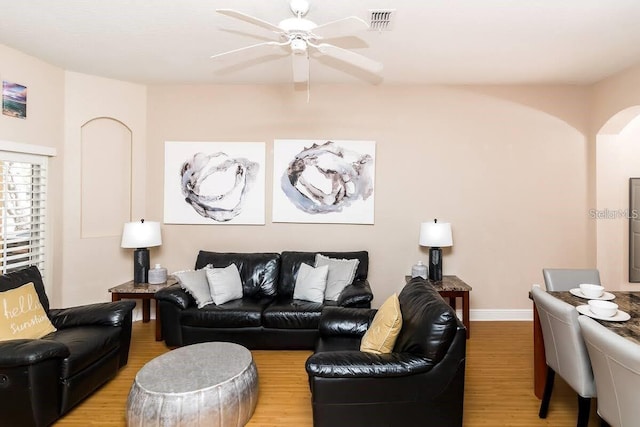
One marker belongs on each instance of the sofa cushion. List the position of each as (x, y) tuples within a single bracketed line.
[(290, 263), (86, 344), (311, 283), (224, 283), (383, 332), (195, 282), (22, 315), (292, 314), (341, 274), (258, 271), (429, 324), (239, 313)]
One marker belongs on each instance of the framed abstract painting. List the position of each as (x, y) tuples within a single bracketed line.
[(323, 181), (214, 182)]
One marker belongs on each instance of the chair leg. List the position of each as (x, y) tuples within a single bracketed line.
[(546, 397), (584, 407)]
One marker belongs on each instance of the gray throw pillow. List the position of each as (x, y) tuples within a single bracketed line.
[(196, 284), (341, 274), (311, 283), (225, 284)]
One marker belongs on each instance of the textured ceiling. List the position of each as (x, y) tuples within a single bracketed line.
[(432, 41)]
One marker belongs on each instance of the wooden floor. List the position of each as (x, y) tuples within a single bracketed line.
[(498, 390)]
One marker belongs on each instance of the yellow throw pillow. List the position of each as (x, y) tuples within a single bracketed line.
[(22, 315), (381, 335)]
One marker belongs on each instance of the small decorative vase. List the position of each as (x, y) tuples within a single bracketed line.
[(419, 270), (157, 275)]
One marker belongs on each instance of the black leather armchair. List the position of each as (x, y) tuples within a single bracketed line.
[(421, 383), (42, 379)]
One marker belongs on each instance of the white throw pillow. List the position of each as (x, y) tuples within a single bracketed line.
[(311, 283), (195, 283), (341, 274), (225, 284)]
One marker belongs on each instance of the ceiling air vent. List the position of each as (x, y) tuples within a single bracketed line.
[(381, 19)]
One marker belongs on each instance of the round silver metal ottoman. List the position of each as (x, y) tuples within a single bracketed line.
[(208, 384)]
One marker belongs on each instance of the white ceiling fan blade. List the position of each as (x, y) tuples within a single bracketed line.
[(250, 19), (340, 27), (300, 68), (347, 56), (249, 47)]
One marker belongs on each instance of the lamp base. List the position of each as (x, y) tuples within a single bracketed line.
[(435, 264), (141, 265)]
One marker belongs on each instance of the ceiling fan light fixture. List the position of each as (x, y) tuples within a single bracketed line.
[(297, 24), (298, 46)]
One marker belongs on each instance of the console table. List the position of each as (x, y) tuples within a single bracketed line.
[(451, 287), (144, 292)]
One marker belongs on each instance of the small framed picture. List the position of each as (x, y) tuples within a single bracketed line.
[(14, 100)]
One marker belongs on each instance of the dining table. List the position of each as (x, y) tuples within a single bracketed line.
[(628, 302)]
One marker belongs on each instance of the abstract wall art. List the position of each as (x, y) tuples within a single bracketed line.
[(323, 181), (214, 182)]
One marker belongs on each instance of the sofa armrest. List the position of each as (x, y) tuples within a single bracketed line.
[(343, 321), (175, 295), (357, 294), (28, 352), (102, 314), (359, 364)]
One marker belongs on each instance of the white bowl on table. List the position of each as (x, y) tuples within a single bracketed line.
[(591, 291), (603, 308)]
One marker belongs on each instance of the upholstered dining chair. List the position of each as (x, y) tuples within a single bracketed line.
[(565, 352), (616, 369), (564, 279)]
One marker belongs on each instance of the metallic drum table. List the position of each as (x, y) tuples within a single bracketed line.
[(627, 301), (207, 384), (451, 287), (145, 292)]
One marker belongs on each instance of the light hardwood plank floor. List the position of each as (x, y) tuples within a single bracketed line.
[(498, 388)]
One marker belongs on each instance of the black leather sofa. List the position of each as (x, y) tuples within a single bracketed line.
[(421, 383), (42, 379), (267, 317)]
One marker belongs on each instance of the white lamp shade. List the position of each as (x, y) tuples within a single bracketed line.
[(141, 234), (436, 234)]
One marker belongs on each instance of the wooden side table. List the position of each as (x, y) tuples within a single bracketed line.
[(144, 292), (451, 287)]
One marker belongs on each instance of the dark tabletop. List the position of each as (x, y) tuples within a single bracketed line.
[(627, 301)]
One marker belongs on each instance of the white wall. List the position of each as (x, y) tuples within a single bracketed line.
[(43, 126), (94, 264), (508, 167), (616, 103)]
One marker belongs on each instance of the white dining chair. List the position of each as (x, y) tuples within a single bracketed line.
[(564, 279), (616, 367), (565, 352)]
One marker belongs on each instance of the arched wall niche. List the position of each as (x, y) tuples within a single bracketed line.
[(106, 153), (617, 160)]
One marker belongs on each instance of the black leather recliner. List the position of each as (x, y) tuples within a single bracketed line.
[(42, 379), (421, 383)]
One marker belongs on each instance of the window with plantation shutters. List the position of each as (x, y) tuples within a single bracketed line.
[(23, 197)]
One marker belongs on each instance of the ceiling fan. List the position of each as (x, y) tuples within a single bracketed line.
[(303, 36)]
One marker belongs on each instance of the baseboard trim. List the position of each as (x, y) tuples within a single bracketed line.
[(482, 315)]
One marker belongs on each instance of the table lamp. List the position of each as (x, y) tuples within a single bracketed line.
[(141, 235), (436, 235)]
